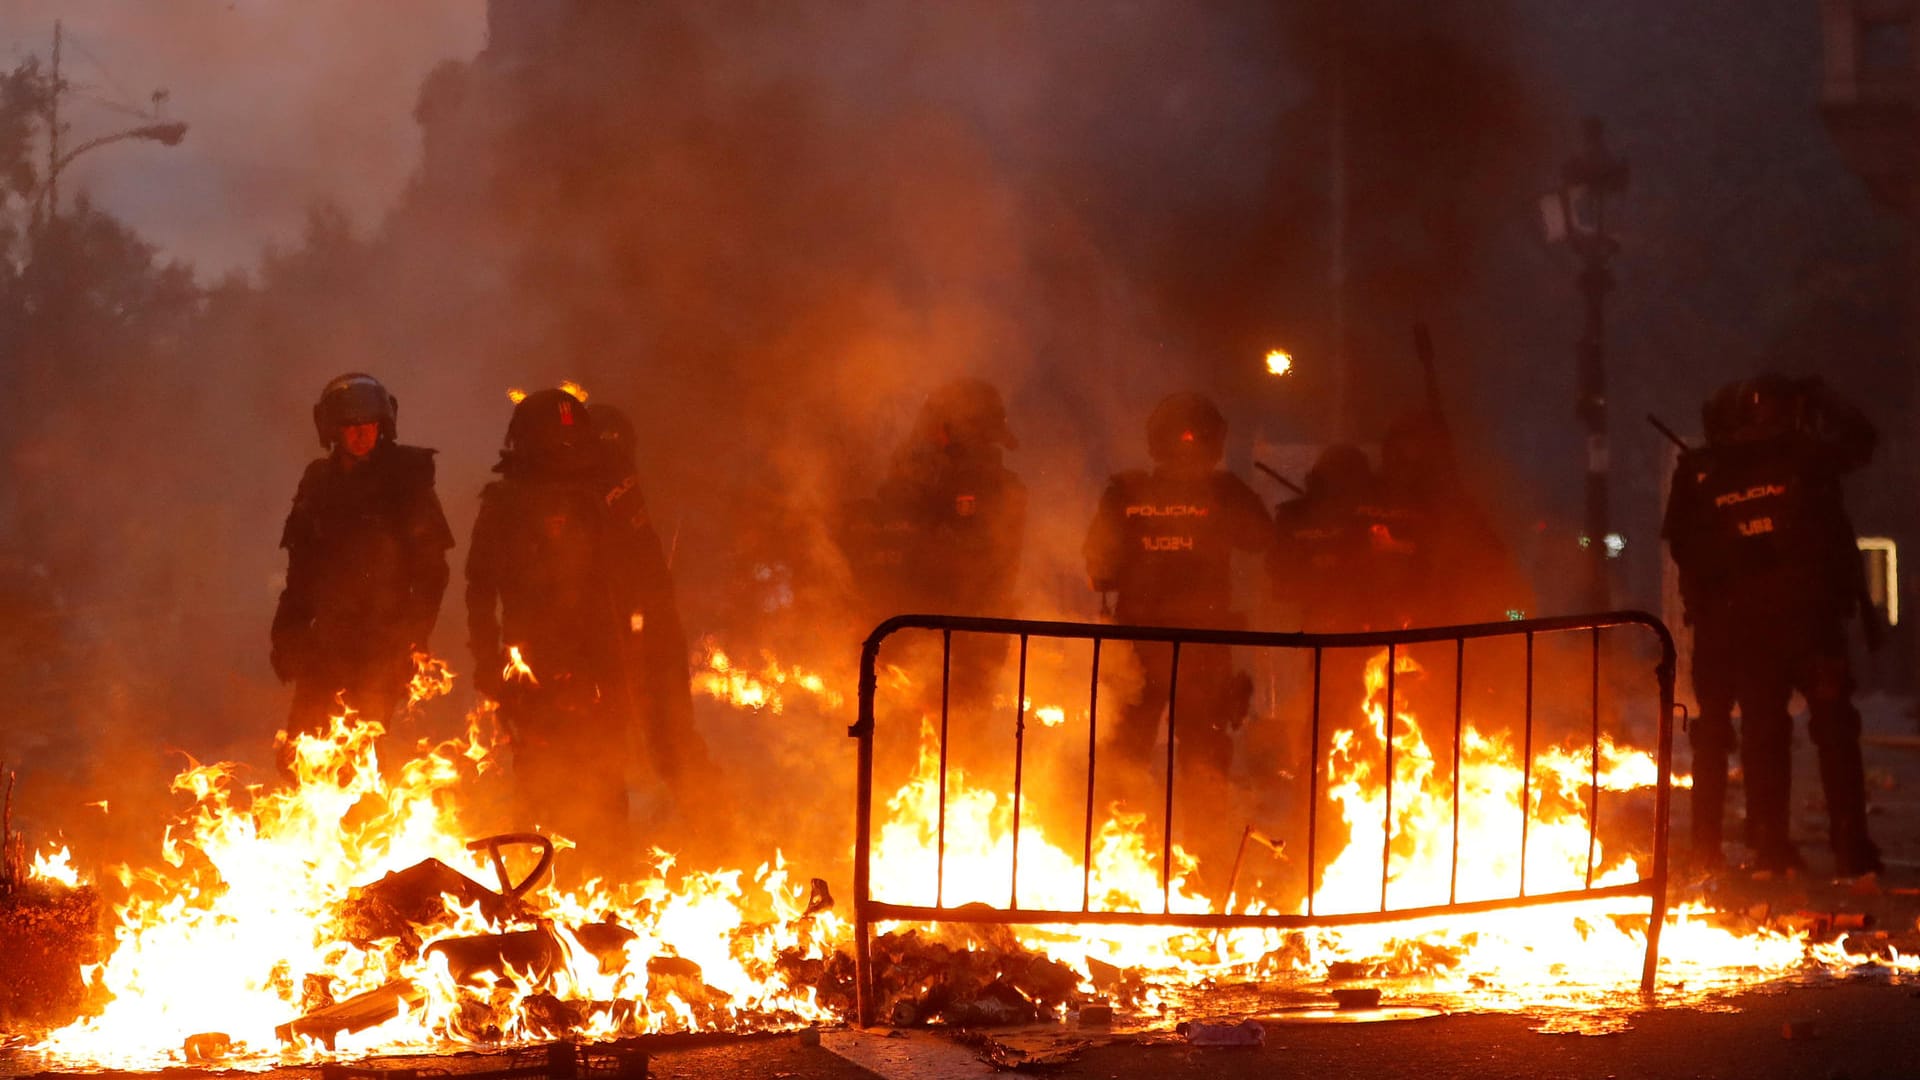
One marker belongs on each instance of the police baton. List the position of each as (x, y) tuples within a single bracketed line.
[(1279, 479), (1668, 432)]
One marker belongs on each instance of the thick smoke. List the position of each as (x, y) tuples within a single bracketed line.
[(767, 230)]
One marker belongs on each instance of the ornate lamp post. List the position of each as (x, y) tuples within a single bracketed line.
[(1577, 214)]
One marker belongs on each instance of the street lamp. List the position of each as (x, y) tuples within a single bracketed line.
[(166, 134), (1576, 214)]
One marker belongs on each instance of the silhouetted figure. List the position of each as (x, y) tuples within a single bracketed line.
[(1345, 554), (944, 532), (943, 535), (366, 564), (1162, 543), (558, 559), (1770, 574), (657, 640), (1467, 574)]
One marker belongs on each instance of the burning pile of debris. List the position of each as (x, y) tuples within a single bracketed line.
[(979, 977), (49, 929)]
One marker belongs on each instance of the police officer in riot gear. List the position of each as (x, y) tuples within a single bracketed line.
[(1465, 572), (1162, 544), (563, 569), (1345, 555), (656, 646), (1770, 574), (949, 518), (366, 563)]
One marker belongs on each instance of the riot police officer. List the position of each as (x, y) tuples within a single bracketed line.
[(950, 517), (1162, 543), (558, 562), (1466, 573), (656, 646), (1345, 555), (366, 563), (1770, 574)]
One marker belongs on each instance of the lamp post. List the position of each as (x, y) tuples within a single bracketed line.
[(164, 132), (1587, 180)]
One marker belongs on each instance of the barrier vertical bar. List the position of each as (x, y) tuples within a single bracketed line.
[(1526, 775), (1386, 841), (1019, 761), (1313, 784), (1593, 783), (1663, 810), (1459, 683), (1093, 729), (862, 730), (946, 690), (1166, 842)]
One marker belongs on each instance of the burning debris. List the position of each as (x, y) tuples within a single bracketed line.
[(49, 929), (349, 916)]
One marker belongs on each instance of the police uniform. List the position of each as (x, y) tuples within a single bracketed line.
[(366, 546), (1344, 554), (557, 563), (656, 639), (950, 530), (1769, 572), (1162, 543)]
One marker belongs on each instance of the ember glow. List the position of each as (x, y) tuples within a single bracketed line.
[(770, 686), (1279, 362)]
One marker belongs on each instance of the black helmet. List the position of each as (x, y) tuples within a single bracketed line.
[(1187, 429), (1341, 469), (1764, 407), (614, 430), (354, 398), (551, 429), (966, 412)]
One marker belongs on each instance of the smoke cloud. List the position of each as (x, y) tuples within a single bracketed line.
[(766, 231)]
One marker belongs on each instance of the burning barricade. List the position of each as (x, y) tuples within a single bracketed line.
[(348, 913)]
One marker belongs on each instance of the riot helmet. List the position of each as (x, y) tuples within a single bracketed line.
[(614, 431), (1764, 407), (965, 413), (551, 431), (1187, 430), (1341, 469), (354, 398)]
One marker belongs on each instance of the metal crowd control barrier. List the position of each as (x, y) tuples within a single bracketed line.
[(868, 910)]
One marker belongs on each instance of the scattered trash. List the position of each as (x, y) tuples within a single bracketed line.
[(207, 1046), (1244, 1033), (1358, 997), (357, 1013)]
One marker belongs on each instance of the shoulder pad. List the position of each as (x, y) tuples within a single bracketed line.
[(413, 462)]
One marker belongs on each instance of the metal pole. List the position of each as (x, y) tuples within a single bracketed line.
[(1093, 735), (53, 130), (1598, 174), (1019, 765), (863, 841)]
